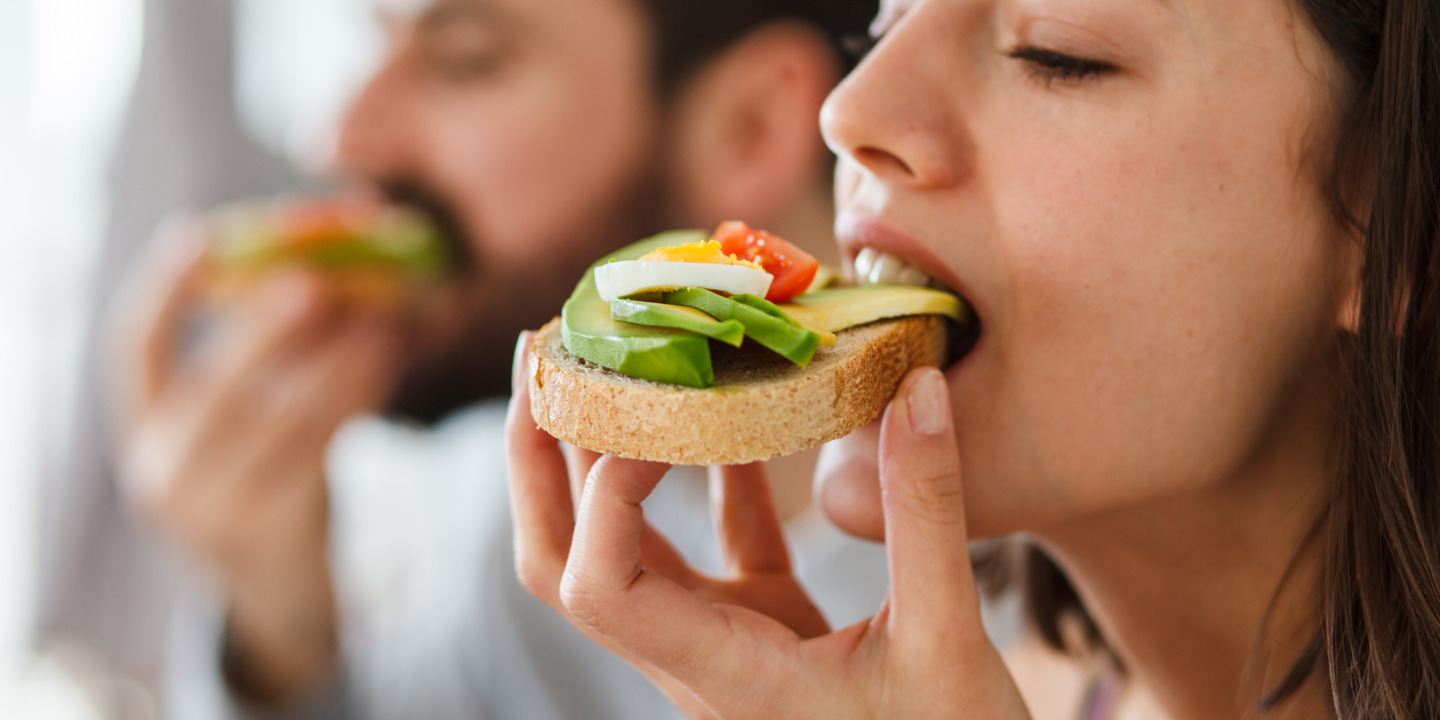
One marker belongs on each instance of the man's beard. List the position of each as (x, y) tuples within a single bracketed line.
[(476, 366)]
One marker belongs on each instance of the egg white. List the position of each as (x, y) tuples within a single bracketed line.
[(622, 279)]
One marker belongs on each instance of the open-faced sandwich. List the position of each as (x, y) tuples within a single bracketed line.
[(369, 251), (697, 349)]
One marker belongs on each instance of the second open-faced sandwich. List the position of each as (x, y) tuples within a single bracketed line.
[(368, 251), (697, 349)]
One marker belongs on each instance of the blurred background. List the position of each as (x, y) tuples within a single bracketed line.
[(103, 101)]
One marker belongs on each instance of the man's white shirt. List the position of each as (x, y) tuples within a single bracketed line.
[(435, 623)]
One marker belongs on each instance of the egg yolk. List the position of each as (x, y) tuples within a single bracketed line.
[(708, 253)]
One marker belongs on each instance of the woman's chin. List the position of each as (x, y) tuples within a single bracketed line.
[(847, 483)]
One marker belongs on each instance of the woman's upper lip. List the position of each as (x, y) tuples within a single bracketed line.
[(857, 233)]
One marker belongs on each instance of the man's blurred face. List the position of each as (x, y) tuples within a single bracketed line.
[(535, 123)]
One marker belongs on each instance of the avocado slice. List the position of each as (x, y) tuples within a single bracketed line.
[(766, 307), (661, 354), (827, 339), (842, 308), (639, 312), (791, 340)]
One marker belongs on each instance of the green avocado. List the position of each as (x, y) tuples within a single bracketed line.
[(246, 236), (661, 354), (730, 332), (839, 309), (774, 331), (766, 307)]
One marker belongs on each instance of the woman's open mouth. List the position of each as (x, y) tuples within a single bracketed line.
[(874, 266)]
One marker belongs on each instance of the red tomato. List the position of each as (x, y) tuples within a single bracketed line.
[(316, 222), (793, 268)]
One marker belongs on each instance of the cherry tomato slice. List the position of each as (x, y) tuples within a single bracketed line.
[(793, 268)]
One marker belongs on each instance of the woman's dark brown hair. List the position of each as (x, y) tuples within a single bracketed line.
[(1377, 648)]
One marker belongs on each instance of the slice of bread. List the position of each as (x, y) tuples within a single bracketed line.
[(762, 406)]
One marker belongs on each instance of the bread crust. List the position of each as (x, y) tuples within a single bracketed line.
[(761, 407)]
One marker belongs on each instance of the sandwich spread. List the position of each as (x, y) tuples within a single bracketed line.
[(726, 348)]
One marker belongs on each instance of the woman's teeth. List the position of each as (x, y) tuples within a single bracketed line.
[(881, 268)]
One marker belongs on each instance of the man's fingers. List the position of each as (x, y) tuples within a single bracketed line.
[(153, 304), (351, 373), (229, 460), (934, 603), (751, 535), (608, 588), (540, 502), (284, 312)]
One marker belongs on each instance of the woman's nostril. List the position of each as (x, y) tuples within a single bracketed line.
[(882, 162)]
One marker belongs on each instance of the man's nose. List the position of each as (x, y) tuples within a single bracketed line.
[(370, 141)]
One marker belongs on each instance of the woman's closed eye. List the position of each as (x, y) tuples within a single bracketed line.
[(1049, 66)]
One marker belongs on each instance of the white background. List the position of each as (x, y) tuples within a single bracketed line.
[(65, 69)]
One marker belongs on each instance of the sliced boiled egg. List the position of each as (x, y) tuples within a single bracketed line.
[(699, 265)]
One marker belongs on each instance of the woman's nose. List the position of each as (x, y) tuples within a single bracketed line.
[(893, 120)]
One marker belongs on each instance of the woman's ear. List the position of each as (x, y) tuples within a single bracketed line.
[(745, 140)]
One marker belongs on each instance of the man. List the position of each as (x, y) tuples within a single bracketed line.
[(542, 133)]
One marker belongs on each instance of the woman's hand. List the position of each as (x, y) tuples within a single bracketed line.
[(546, 485), (750, 647)]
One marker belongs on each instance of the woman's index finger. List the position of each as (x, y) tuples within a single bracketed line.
[(608, 588)]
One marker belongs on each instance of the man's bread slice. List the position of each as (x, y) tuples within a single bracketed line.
[(761, 407)]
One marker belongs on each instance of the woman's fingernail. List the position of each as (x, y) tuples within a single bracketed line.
[(517, 368), (929, 403)]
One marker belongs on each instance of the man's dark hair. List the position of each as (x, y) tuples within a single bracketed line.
[(690, 32)]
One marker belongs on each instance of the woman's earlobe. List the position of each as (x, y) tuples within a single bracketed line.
[(1348, 314), (1350, 294)]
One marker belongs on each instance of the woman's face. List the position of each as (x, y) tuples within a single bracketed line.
[(1124, 191)]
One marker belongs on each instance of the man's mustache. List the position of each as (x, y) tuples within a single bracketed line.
[(420, 197)]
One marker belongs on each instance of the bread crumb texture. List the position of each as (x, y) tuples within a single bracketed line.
[(762, 406)]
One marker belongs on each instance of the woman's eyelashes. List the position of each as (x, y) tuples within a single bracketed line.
[(1050, 67)]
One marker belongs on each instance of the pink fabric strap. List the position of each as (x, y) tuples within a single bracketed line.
[(1102, 698)]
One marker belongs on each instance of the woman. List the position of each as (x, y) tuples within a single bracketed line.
[(1200, 236)]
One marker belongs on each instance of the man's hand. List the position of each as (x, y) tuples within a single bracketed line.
[(223, 446)]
